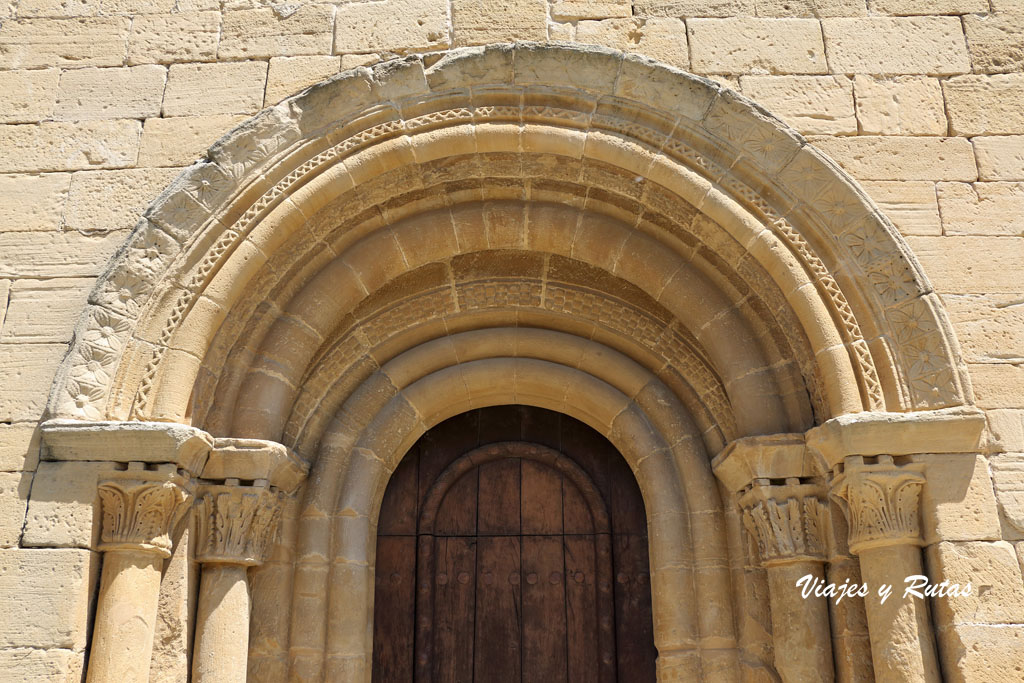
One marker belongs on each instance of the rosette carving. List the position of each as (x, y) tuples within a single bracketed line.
[(787, 529), (236, 524), (882, 504), (141, 509)]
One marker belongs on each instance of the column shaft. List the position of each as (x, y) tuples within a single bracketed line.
[(122, 641), (800, 627), (222, 631)]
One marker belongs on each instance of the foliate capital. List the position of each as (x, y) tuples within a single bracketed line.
[(236, 523), (788, 522), (881, 502), (141, 508)]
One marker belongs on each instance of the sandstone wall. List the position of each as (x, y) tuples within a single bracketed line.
[(103, 101)]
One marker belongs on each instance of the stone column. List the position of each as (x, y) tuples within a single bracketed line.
[(789, 523), (140, 511), (882, 503), (234, 528)]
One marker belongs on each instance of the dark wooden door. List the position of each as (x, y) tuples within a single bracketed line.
[(512, 560)]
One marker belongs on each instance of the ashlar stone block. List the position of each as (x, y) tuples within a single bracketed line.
[(985, 105), (569, 10), (693, 8), (14, 488), (980, 652), (904, 105), (929, 7), (126, 92), (997, 590), (995, 208), (394, 25), (62, 254), (178, 37), (869, 157), (811, 104), (180, 140), (753, 45), (105, 201), (33, 202), (64, 510), (83, 41), (478, 22), (911, 205), (1000, 157), (29, 664), (996, 41), (19, 447), (989, 327), (997, 385), (957, 503), (660, 38), (971, 265), (28, 96), (267, 32), (227, 88), (66, 146), (811, 8), (290, 75), (25, 368), (896, 45), (43, 311)]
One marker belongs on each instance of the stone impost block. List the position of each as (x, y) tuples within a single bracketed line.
[(911, 205), (903, 105), (29, 665), (985, 105), (754, 45), (996, 41), (83, 41), (254, 459), (992, 569), (151, 442), (1000, 157), (870, 157), (663, 39), (896, 45), (67, 146), (395, 25), (14, 488), (811, 104), (19, 447), (105, 201), (966, 265), (125, 92), (181, 140), (46, 595), (228, 88), (290, 75), (28, 96), (42, 311), (982, 208), (478, 22), (64, 509), (179, 37), (266, 32), (775, 456), (32, 202), (951, 430), (25, 369)]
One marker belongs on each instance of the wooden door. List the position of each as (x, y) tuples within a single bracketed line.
[(512, 561)]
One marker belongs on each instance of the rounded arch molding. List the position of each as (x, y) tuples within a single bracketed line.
[(876, 337)]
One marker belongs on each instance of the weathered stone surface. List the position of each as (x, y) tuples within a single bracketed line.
[(127, 92), (1000, 157), (911, 205), (997, 385), (181, 140), (19, 447), (46, 596), (982, 208), (1008, 478), (747, 44), (901, 158), (563, 10), (65, 146), (395, 25), (64, 510), (27, 96), (26, 369), (811, 8), (896, 45), (911, 7), (811, 104), (478, 22), (904, 105), (14, 488), (693, 8), (958, 503), (352, 61), (289, 75), (29, 665), (266, 32), (44, 310), (33, 202), (37, 43), (989, 327), (175, 616), (202, 89), (660, 38), (970, 265), (1007, 430), (985, 105), (43, 254), (996, 42), (58, 8), (997, 591), (978, 652), (103, 201), (179, 37)]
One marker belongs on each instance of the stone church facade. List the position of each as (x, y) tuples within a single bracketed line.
[(291, 296)]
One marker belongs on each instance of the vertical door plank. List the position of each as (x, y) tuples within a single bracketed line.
[(498, 622), (499, 499), (633, 619), (457, 514), (542, 499), (576, 515), (454, 609), (544, 634), (581, 608), (393, 627)]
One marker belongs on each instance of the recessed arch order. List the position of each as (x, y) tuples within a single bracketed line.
[(565, 227)]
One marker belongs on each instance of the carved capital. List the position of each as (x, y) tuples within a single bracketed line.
[(788, 522), (141, 509), (881, 502), (236, 524)]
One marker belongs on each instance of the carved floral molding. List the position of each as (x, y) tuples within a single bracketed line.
[(881, 502), (141, 510)]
